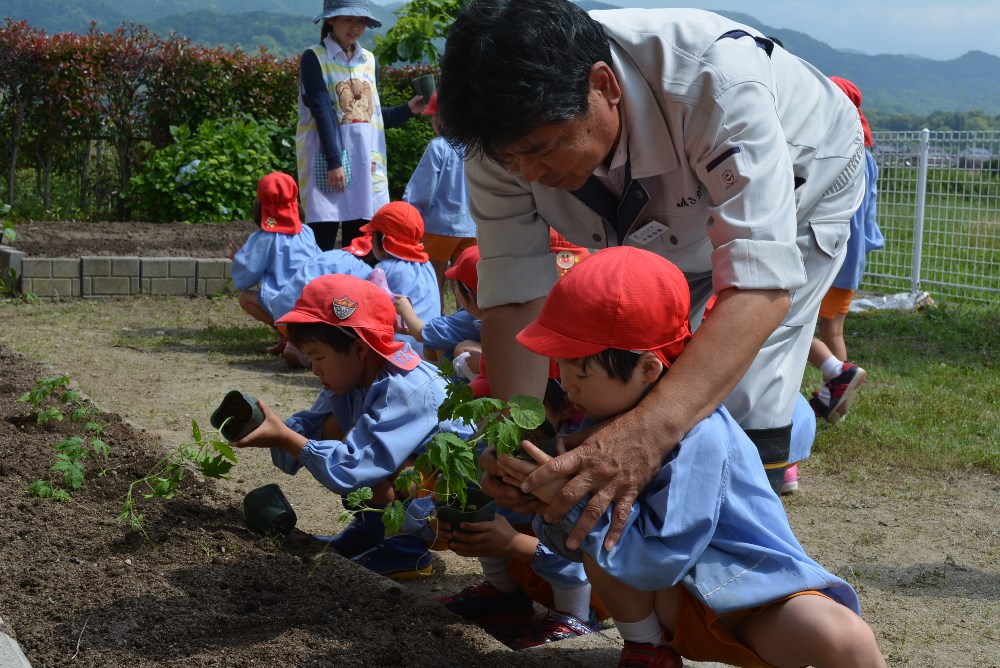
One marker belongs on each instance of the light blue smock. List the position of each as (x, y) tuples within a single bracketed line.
[(437, 189), (385, 423), (271, 259), (336, 261), (711, 521)]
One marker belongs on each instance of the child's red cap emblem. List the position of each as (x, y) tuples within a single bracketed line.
[(344, 307)]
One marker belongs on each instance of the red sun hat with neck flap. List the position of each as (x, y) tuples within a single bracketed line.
[(402, 228), (278, 195), (341, 300), (622, 297), (360, 246), (464, 269)]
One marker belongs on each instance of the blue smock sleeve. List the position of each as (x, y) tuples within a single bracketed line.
[(397, 419), (252, 260), (316, 96), (447, 331), (308, 423), (656, 549)]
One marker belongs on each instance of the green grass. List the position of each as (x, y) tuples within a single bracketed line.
[(930, 402)]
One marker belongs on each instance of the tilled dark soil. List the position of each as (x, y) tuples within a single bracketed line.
[(130, 239), (203, 590)]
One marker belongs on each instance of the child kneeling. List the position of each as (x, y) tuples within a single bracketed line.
[(377, 411), (707, 566)]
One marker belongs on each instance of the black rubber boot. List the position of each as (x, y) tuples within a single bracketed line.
[(773, 445)]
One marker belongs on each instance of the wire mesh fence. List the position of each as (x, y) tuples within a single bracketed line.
[(939, 210)]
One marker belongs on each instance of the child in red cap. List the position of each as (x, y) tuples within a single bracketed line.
[(396, 230), (456, 333), (272, 254), (707, 566), (437, 189), (377, 410)]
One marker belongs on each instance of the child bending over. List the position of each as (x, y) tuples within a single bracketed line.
[(707, 567)]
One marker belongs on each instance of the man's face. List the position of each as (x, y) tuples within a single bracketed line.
[(564, 155)]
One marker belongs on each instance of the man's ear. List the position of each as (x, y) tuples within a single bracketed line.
[(651, 367), (604, 81)]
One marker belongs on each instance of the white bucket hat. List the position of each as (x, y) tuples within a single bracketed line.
[(332, 8)]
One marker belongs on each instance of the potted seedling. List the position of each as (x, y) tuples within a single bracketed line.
[(237, 415), (448, 468)]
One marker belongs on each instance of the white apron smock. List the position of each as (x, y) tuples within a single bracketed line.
[(358, 111)]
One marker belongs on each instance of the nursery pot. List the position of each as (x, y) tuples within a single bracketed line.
[(243, 412), (485, 509), (424, 86), (268, 512), (544, 438)]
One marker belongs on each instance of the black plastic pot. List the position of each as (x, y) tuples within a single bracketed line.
[(485, 510), (268, 512), (543, 437), (243, 413)]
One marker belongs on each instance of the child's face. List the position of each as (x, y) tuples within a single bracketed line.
[(596, 393), (348, 29), (469, 305), (340, 372)]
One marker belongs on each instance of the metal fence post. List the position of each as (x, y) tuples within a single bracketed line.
[(918, 222)]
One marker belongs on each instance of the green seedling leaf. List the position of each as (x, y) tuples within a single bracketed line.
[(60, 495), (359, 497), (224, 449), (216, 467), (41, 488), (72, 476), (409, 478), (78, 414), (100, 447), (195, 431), (527, 412), (506, 436), (393, 517), (71, 447)]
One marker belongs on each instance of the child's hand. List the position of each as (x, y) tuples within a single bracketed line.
[(273, 433), (233, 247), (515, 470), (494, 538)]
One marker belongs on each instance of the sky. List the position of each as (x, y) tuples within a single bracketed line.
[(931, 28)]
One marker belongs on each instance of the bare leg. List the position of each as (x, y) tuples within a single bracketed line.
[(818, 353), (624, 603), (831, 330), (248, 302), (811, 630), (439, 268)]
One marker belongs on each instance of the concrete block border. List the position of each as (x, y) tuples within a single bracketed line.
[(104, 277)]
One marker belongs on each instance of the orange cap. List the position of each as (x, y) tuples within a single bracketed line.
[(402, 228)]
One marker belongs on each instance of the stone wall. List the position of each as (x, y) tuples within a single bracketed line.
[(101, 277)]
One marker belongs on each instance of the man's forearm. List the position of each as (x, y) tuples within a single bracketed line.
[(512, 368), (714, 361)]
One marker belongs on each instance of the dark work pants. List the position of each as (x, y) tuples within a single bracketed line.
[(326, 232), (773, 445)]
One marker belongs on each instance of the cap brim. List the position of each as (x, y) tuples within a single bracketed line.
[(541, 340)]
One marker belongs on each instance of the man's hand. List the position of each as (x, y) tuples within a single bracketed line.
[(614, 462)]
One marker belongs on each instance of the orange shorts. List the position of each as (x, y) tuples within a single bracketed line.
[(702, 635), (836, 301), (442, 248)]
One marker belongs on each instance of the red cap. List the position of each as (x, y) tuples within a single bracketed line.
[(432, 105), (567, 254), (342, 300), (402, 228), (854, 93), (621, 297), (360, 246), (279, 204), (464, 269)]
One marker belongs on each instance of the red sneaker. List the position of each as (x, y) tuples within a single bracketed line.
[(843, 389), (485, 604), (557, 626), (641, 655)]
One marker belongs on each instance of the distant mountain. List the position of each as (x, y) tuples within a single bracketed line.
[(892, 84)]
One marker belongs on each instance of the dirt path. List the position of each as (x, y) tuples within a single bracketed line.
[(924, 552)]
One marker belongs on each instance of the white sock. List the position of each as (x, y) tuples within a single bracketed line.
[(647, 631), (574, 602), (831, 368), (495, 571), (824, 394)]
